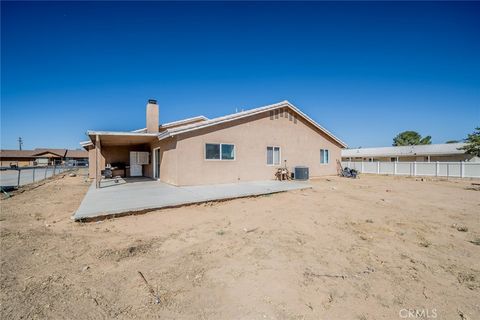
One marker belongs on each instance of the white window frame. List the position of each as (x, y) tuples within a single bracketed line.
[(205, 151), (328, 158), (273, 156)]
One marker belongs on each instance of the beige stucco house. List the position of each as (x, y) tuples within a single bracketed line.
[(244, 146)]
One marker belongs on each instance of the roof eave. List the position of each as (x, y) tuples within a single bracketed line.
[(187, 120), (86, 143), (174, 123), (119, 133)]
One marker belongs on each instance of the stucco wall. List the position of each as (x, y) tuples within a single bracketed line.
[(300, 144), (115, 154), (92, 163), (168, 160), (453, 158), (18, 161)]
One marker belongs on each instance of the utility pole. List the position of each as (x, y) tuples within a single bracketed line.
[(20, 143)]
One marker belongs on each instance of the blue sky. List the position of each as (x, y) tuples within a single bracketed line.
[(364, 70)]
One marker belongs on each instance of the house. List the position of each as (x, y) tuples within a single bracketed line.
[(244, 146), (41, 157), (420, 153), (20, 158)]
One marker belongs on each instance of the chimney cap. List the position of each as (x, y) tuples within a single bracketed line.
[(153, 101)]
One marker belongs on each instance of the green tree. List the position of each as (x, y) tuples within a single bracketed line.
[(452, 141), (472, 143), (410, 138)]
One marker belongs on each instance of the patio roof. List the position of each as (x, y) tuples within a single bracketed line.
[(110, 138)]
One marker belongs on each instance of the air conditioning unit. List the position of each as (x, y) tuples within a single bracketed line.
[(301, 173)]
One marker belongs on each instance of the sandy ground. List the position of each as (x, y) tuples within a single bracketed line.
[(346, 249)]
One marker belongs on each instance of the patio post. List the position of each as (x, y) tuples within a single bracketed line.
[(97, 161)]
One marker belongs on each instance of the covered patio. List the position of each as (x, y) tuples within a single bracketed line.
[(112, 150), (136, 195)]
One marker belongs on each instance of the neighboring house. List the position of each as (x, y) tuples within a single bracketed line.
[(41, 157), (20, 158), (244, 146), (420, 153)]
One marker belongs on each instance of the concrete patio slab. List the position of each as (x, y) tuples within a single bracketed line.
[(144, 194)]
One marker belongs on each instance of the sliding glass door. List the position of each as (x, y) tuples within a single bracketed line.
[(156, 163)]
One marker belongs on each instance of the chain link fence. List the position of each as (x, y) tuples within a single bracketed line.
[(14, 177)]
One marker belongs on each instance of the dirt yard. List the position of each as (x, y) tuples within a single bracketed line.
[(372, 248)]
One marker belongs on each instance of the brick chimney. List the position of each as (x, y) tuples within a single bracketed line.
[(152, 116)]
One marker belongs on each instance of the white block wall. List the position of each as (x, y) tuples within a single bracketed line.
[(434, 169)]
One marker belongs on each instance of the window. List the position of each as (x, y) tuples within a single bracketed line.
[(228, 152), (271, 114), (276, 114), (324, 156), (273, 156), (212, 151), (219, 151)]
